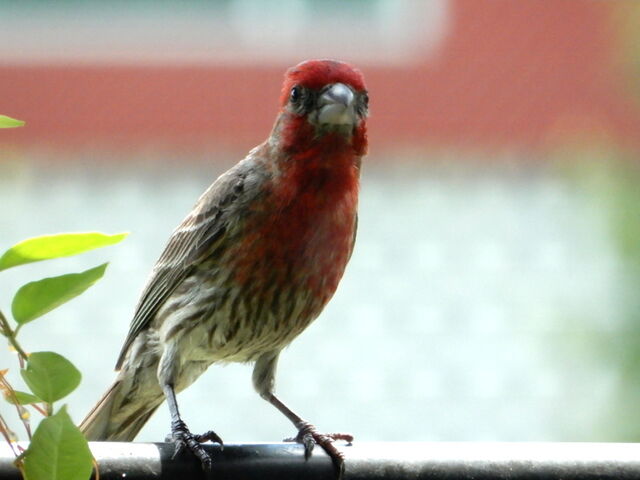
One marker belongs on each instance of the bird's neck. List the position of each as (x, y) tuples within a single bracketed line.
[(318, 178), (313, 165), (294, 136)]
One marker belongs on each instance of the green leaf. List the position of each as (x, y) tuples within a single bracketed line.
[(37, 298), (8, 122), (50, 376), (23, 398), (58, 451), (54, 246)]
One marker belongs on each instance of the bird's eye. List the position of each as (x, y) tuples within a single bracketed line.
[(295, 94), (365, 99)]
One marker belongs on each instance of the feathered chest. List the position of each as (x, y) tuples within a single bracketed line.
[(302, 230)]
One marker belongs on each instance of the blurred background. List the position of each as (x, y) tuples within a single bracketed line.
[(494, 292)]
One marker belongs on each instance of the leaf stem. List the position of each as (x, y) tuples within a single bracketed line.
[(39, 409), (8, 332)]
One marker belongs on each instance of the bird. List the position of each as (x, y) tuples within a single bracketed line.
[(252, 264)]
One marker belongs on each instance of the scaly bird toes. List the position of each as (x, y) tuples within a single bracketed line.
[(185, 440), (309, 437)]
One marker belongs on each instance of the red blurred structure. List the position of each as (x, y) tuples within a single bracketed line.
[(510, 74)]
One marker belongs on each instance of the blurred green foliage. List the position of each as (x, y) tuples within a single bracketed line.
[(609, 177), (8, 122), (625, 26), (57, 448)]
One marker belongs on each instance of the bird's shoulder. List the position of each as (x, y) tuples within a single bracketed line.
[(220, 205)]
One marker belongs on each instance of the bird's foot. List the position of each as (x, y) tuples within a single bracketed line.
[(309, 437), (185, 440)]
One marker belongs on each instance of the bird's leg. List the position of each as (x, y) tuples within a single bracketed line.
[(181, 435), (264, 383)]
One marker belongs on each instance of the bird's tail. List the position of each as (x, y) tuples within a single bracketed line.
[(119, 415)]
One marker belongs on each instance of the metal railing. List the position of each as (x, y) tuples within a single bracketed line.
[(371, 461)]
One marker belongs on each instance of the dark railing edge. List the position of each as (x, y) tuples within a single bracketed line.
[(364, 460)]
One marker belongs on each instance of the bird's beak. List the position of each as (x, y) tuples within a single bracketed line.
[(336, 106)]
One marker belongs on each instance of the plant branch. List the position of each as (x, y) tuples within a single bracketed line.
[(8, 435), (11, 394)]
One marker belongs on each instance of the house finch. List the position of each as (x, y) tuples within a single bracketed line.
[(252, 265)]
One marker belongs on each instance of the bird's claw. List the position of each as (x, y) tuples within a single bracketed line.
[(185, 440), (308, 436), (209, 436)]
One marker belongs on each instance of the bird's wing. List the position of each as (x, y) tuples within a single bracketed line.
[(194, 238)]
